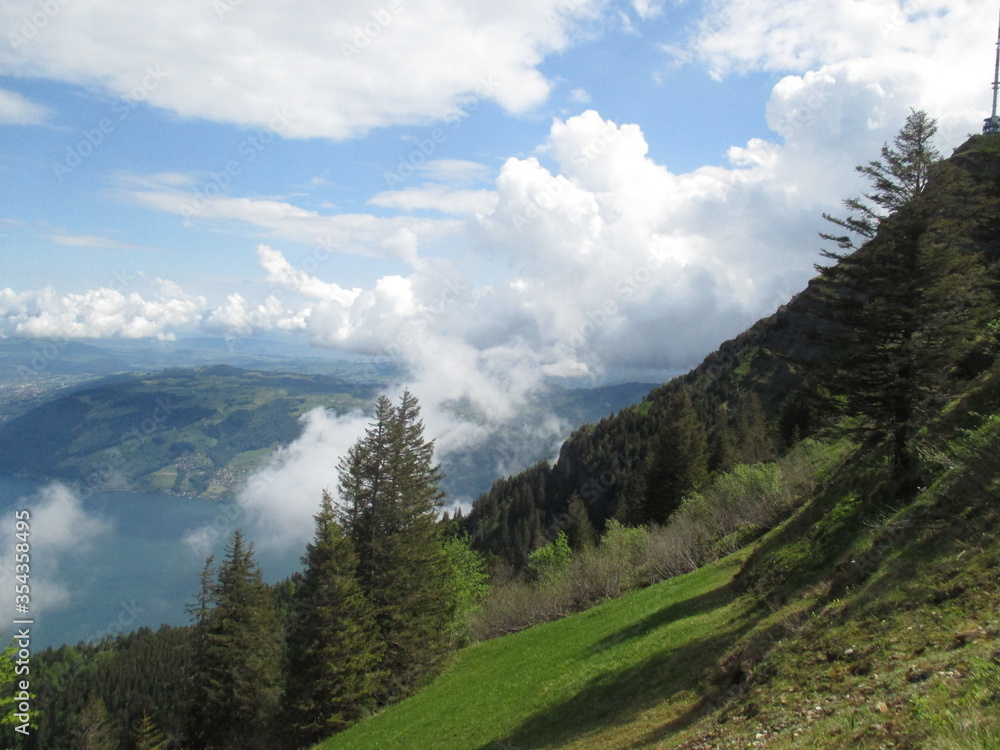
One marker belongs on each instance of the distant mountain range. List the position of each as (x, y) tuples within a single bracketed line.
[(200, 431)]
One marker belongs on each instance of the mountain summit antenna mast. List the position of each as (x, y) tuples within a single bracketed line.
[(993, 122)]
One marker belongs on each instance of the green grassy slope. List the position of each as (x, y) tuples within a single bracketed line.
[(550, 684), (852, 624)]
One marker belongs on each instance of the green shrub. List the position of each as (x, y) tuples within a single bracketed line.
[(468, 583), (548, 563)]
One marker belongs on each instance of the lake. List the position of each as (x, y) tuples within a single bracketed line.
[(109, 562)]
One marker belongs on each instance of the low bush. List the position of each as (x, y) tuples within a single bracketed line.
[(734, 510)]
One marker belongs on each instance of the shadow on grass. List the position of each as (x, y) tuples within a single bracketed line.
[(801, 552), (616, 698), (681, 610)]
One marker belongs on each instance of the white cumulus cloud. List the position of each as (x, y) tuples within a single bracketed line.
[(335, 70), (97, 313), (281, 498)]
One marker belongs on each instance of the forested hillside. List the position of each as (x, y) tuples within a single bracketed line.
[(189, 431), (771, 386), (751, 400)]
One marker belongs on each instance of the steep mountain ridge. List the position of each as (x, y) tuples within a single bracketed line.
[(602, 462), (867, 618), (774, 362)]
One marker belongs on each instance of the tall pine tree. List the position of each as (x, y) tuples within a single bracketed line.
[(679, 460), (754, 441), (334, 644), (577, 524), (238, 656), (898, 178), (94, 730), (901, 303), (146, 735), (391, 503)]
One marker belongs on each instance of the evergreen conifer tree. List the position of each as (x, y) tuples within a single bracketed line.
[(722, 441), (579, 529), (897, 179), (679, 461), (146, 735), (200, 714), (334, 645), (754, 440), (901, 303), (94, 730), (389, 489), (238, 660), (631, 510)]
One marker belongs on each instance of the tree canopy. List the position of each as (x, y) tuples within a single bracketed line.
[(390, 510), (897, 179), (334, 644), (901, 303)]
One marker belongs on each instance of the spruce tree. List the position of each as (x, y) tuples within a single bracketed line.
[(897, 179), (579, 529), (631, 495), (200, 713), (389, 488), (901, 304), (679, 461), (754, 439), (334, 644), (238, 659), (146, 735), (722, 442), (94, 730)]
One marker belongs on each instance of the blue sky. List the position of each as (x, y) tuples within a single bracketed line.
[(492, 195)]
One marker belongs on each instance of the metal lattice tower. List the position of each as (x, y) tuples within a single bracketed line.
[(992, 124)]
